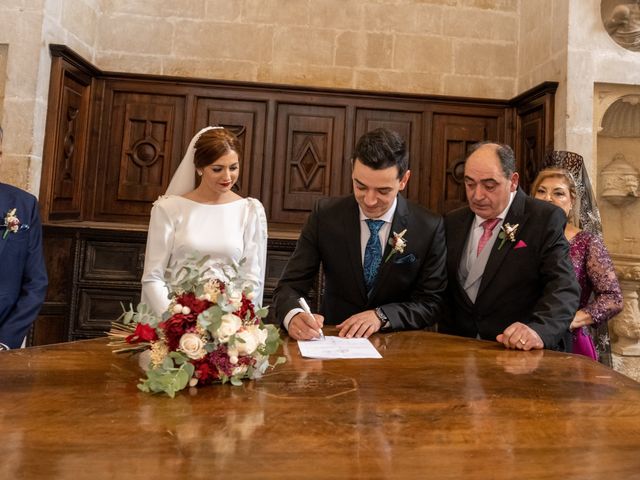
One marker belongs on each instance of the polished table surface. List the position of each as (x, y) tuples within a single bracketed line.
[(433, 407)]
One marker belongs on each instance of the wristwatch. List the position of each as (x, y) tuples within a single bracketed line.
[(384, 321)]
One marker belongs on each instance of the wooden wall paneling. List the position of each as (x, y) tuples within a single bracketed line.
[(308, 159), (247, 120), (452, 135), (107, 276), (140, 155), (298, 142), (530, 146), (113, 260), (52, 324), (66, 140), (533, 116), (97, 308), (280, 251), (408, 123)]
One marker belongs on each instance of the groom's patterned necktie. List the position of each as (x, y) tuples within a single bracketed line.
[(372, 253)]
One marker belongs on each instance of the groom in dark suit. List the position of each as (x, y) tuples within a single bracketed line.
[(383, 257), (510, 276), (23, 281)]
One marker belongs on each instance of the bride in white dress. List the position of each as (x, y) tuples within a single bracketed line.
[(209, 219)]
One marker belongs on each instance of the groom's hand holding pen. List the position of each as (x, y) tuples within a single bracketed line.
[(306, 325)]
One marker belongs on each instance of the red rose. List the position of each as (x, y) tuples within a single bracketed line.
[(196, 305), (142, 333), (246, 306), (175, 327), (204, 372)]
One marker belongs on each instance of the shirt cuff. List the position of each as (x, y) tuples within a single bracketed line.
[(289, 316), (4, 347)]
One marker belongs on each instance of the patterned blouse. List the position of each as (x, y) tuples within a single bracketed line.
[(595, 273)]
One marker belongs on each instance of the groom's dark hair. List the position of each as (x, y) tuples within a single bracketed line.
[(382, 148)]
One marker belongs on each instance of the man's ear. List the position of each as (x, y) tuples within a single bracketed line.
[(405, 179), (514, 182)]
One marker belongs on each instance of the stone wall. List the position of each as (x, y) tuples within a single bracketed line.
[(542, 53), (451, 47), (28, 26)]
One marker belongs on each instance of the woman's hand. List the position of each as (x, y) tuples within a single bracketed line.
[(582, 319)]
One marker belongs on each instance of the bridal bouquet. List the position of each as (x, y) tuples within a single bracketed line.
[(211, 332)]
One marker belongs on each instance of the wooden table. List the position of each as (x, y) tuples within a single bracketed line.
[(434, 407)]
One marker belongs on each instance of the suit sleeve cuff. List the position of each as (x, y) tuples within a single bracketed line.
[(289, 316)]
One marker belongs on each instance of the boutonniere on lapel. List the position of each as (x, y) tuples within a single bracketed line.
[(12, 223), (507, 232), (398, 243)]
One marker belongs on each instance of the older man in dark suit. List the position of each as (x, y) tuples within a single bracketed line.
[(510, 276), (23, 282), (383, 257)]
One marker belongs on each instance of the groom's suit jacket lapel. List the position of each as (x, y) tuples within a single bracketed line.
[(399, 223), (351, 222), (515, 215)]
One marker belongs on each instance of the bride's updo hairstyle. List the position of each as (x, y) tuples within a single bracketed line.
[(213, 144)]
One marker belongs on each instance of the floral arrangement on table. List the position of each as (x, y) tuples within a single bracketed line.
[(211, 332)]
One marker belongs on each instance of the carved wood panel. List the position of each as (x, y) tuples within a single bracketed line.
[(68, 153), (143, 150), (533, 136), (531, 151), (452, 136), (112, 261), (409, 125), (309, 158), (97, 308), (247, 121)]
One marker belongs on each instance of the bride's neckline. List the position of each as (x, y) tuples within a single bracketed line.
[(210, 204)]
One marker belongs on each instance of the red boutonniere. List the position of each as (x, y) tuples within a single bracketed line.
[(398, 244)]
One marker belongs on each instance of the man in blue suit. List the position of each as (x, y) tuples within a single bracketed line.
[(23, 281)]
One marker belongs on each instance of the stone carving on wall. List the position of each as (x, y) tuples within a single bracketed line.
[(622, 118), (625, 327), (622, 21), (620, 181)]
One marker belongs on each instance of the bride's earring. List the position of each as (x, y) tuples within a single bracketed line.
[(199, 172)]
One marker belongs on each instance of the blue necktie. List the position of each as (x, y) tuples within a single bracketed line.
[(372, 253)]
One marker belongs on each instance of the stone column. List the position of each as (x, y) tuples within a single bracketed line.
[(625, 327)]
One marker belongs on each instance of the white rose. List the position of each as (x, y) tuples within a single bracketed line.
[(240, 370), (253, 338), (235, 299), (230, 325), (186, 310), (177, 308), (192, 346)]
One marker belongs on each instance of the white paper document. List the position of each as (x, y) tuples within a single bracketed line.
[(338, 347)]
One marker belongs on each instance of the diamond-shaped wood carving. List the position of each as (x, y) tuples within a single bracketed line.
[(308, 162)]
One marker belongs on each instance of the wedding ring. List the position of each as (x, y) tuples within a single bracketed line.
[(524, 342)]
